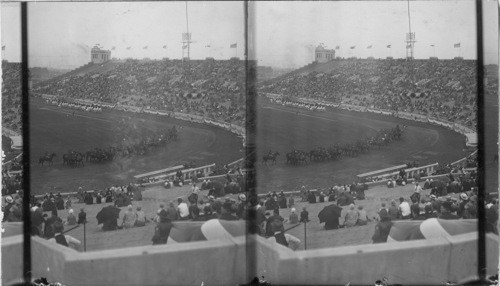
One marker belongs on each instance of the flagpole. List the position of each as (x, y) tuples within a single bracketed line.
[(187, 30)]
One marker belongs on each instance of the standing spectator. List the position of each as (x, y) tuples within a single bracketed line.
[(417, 190), (291, 201), (162, 230), (82, 216), (492, 217), (67, 204), (404, 209), (49, 225), (383, 228)]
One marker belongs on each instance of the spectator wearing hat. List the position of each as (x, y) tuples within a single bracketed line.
[(71, 219), (49, 225), (162, 230), (464, 199), (242, 209), (293, 218), (129, 217), (67, 203), (351, 217), (383, 228), (446, 211), (436, 204), (470, 208), (228, 211), (140, 217), (182, 210), (279, 236), (304, 215), (62, 239), (37, 221)]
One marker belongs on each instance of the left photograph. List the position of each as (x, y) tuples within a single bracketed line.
[(137, 138)]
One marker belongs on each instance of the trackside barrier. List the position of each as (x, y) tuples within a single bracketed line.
[(429, 261), (381, 172), (160, 172)]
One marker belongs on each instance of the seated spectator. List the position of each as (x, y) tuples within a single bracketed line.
[(62, 239), (171, 211), (304, 215), (228, 211), (446, 211), (182, 210), (362, 216), (404, 209), (129, 217), (279, 236), (351, 217), (293, 218), (140, 217), (71, 219), (393, 210)]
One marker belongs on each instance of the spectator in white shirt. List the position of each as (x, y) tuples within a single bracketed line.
[(404, 209), (182, 209)]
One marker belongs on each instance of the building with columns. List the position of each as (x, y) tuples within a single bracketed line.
[(323, 55), (98, 56)]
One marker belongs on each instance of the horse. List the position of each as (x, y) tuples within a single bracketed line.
[(270, 157), (47, 158)]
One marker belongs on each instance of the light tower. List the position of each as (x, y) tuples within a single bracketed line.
[(186, 38), (410, 38)]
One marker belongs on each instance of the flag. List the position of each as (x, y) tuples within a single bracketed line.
[(233, 46), (165, 46), (408, 46), (432, 45), (145, 48), (184, 47), (457, 45), (353, 47), (3, 48), (369, 47), (113, 48), (337, 47), (388, 46)]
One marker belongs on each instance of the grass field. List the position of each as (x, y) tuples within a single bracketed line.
[(57, 130), (282, 128)]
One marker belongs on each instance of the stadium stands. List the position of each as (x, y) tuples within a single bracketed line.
[(443, 89), (214, 89)]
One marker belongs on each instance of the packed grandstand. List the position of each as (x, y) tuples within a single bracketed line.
[(215, 90)]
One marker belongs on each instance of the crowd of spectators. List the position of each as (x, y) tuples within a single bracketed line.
[(443, 89), (211, 88), (11, 96)]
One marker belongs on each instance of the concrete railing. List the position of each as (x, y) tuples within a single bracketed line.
[(224, 262)]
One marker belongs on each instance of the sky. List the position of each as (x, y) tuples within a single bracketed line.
[(62, 34), (288, 32), (283, 33)]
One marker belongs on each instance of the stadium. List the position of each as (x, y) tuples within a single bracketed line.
[(131, 148)]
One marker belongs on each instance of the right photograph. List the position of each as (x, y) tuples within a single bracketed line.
[(374, 162)]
